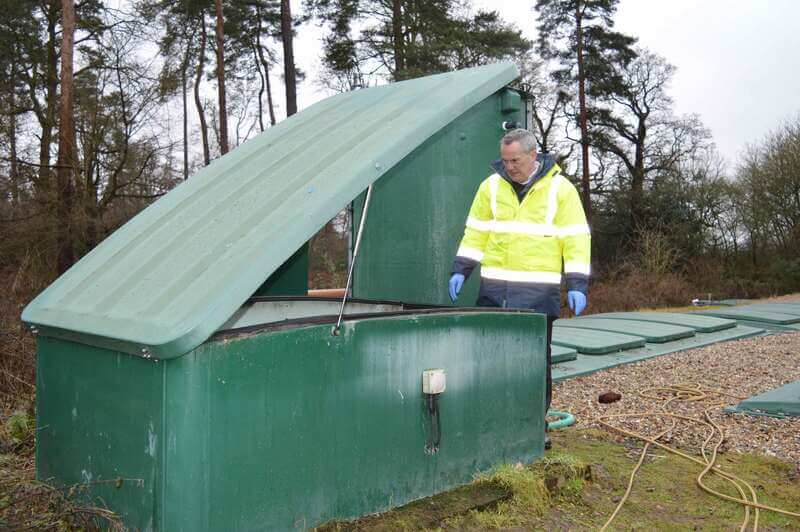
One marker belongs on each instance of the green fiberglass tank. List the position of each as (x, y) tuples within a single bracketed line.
[(282, 426), (168, 392), (418, 209)]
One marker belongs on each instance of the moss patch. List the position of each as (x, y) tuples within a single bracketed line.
[(578, 485)]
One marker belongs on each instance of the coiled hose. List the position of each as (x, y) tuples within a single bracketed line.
[(565, 419)]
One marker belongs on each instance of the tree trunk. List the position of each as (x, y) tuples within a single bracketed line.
[(270, 105), (260, 89), (637, 178), (289, 72), (14, 170), (51, 94), (200, 65), (66, 140), (397, 38), (184, 82), (265, 64), (223, 113), (12, 137), (585, 184)]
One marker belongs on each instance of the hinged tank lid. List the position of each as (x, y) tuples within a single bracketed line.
[(170, 277)]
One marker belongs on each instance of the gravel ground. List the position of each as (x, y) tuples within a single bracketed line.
[(740, 368)]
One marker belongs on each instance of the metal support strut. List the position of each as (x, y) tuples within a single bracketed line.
[(335, 330)]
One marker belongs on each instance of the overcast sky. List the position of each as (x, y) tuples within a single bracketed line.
[(736, 59)]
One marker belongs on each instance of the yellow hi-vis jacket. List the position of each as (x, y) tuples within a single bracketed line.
[(523, 247)]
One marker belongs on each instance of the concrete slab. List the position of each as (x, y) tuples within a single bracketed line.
[(591, 342), (650, 331), (698, 323), (584, 365), (783, 401)]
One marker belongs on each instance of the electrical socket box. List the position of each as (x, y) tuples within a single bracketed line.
[(433, 381)]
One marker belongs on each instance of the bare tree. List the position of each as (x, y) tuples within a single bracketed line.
[(548, 106), (634, 122)]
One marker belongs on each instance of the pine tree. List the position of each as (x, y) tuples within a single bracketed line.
[(634, 122), (67, 148), (579, 36), (402, 39)]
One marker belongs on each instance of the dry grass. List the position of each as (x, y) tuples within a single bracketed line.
[(17, 346), (28, 504), (25, 503), (637, 290)]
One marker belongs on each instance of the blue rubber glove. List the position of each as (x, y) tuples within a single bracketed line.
[(456, 282), (576, 301)]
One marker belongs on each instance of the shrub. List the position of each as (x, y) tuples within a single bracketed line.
[(639, 290)]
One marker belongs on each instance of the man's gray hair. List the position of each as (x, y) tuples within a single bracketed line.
[(525, 138)]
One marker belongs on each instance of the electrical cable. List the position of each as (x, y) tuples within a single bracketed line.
[(436, 424)]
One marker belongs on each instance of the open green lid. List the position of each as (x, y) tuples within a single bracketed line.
[(169, 278)]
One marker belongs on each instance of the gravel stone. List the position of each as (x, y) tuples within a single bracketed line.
[(741, 368)]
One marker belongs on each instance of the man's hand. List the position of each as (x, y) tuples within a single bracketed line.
[(456, 282), (575, 299)]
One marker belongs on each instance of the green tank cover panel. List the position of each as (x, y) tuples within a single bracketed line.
[(692, 321), (783, 308), (585, 365), (783, 401), (559, 354), (650, 331), (165, 281), (593, 342), (766, 316), (769, 327)]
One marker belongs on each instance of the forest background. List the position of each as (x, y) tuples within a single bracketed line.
[(104, 108)]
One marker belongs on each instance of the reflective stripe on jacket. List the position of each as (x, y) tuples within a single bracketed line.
[(528, 242)]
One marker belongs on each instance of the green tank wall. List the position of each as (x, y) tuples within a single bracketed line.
[(284, 429), (418, 208), (291, 279), (100, 418)]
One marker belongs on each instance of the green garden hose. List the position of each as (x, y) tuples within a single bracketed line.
[(565, 419)]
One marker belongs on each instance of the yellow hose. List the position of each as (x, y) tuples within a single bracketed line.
[(690, 392)]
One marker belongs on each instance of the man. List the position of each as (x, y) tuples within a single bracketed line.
[(526, 223)]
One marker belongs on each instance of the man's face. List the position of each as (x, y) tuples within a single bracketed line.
[(519, 163)]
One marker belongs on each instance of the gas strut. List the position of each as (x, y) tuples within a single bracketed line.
[(338, 325)]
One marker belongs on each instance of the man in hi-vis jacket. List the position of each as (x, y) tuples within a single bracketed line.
[(526, 225)]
